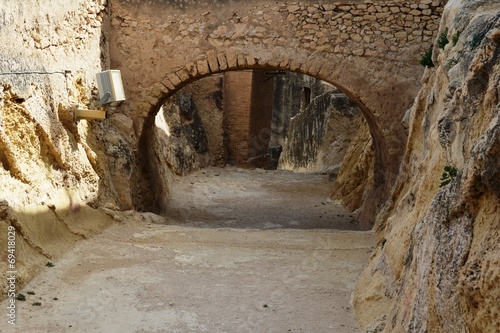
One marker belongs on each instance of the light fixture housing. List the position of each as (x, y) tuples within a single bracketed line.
[(110, 86)]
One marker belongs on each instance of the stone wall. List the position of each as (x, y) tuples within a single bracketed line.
[(436, 266)]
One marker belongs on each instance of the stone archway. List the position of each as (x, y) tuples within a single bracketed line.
[(382, 160), (163, 45)]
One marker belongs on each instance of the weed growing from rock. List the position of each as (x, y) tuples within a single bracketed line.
[(449, 173), (443, 39), (455, 38), (427, 59)]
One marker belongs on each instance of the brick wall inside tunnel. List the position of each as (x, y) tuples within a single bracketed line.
[(237, 106), (248, 103), (370, 51)]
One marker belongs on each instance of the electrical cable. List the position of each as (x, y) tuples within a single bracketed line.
[(33, 72), (65, 73)]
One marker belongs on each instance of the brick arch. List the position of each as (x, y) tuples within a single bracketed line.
[(370, 51)]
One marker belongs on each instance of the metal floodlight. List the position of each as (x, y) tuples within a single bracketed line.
[(110, 86)]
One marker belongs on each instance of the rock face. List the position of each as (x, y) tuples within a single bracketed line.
[(320, 135), (355, 177), (437, 264), (54, 170), (188, 135), (183, 140)]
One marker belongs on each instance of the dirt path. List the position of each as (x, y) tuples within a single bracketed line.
[(238, 198), (265, 275)]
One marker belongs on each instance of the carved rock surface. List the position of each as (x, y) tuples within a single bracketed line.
[(437, 266), (54, 171), (319, 136)]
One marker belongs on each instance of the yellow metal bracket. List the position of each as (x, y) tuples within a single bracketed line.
[(82, 113)]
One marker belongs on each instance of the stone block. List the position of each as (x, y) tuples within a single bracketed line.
[(294, 65), (358, 52), (251, 61), (285, 63), (166, 82), (357, 38), (213, 64), (202, 66), (183, 75), (172, 77), (401, 34), (241, 60), (221, 59), (192, 69), (232, 59)]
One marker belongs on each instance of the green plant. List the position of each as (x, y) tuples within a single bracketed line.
[(443, 39), (30, 293), (55, 298), (49, 264), (427, 59), (37, 304), (21, 297), (449, 173), (455, 38)]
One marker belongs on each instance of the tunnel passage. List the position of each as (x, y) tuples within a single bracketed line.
[(313, 123)]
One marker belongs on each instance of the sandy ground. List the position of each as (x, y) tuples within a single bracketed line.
[(238, 198), (235, 258)]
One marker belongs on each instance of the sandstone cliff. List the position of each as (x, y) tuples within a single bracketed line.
[(54, 171), (436, 267)]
